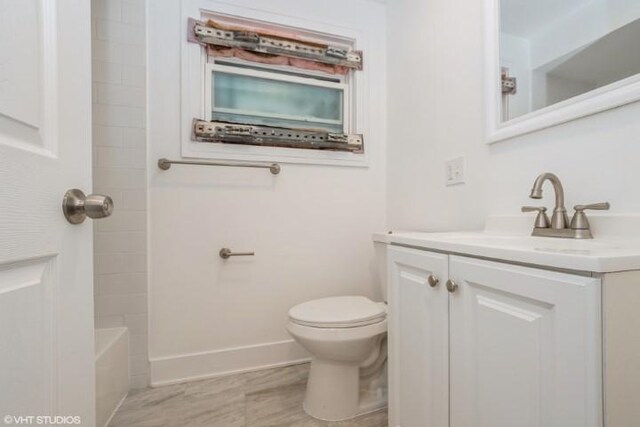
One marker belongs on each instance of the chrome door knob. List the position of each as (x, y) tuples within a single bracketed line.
[(451, 286), (76, 206), (433, 280)]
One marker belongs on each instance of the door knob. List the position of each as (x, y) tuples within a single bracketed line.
[(451, 286), (76, 206)]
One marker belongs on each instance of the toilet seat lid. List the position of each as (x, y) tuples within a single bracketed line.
[(338, 312)]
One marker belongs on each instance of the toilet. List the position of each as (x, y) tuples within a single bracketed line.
[(346, 337)]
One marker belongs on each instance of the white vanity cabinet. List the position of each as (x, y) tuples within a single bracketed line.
[(511, 346)]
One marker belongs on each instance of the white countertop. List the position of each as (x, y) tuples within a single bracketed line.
[(615, 248)]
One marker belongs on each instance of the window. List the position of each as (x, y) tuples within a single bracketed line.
[(257, 95), (280, 92)]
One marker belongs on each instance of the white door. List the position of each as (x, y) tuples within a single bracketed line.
[(525, 347), (418, 339), (46, 302)]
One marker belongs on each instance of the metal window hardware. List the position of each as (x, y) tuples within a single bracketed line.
[(165, 164), (232, 133), (212, 33), (226, 253), (509, 85)]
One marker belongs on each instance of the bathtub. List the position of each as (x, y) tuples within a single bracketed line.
[(112, 372)]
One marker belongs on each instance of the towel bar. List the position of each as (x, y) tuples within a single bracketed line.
[(165, 164)]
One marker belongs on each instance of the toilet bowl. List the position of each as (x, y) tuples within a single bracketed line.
[(346, 337)]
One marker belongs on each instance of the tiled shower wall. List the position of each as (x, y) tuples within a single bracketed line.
[(119, 162)]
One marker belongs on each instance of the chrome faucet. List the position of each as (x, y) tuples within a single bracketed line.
[(559, 225)]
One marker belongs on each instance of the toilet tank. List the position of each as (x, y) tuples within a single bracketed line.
[(381, 268)]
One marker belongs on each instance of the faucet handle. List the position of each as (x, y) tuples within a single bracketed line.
[(604, 206), (542, 220), (580, 221)]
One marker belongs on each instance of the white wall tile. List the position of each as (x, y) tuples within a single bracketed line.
[(119, 140), (139, 381), (125, 179), (134, 199), (106, 51), (107, 9), (133, 75), (139, 364), (116, 115), (120, 95), (114, 305), (137, 323), (119, 32), (133, 54), (109, 321), (107, 136), (133, 12), (108, 263), (134, 138), (138, 344), (106, 72), (120, 241), (117, 157), (121, 283), (123, 220)]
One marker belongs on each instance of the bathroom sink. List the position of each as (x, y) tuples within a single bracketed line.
[(615, 248), (531, 243)]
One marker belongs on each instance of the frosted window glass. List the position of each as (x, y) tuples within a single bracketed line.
[(256, 100)]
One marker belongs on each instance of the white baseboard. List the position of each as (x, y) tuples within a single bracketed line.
[(194, 366)]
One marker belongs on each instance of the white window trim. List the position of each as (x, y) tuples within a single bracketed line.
[(309, 81), (193, 92)]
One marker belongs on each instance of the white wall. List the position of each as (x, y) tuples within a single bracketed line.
[(310, 226), (119, 170), (435, 91)]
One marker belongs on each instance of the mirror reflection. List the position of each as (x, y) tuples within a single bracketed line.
[(555, 50)]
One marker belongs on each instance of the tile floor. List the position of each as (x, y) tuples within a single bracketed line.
[(269, 398)]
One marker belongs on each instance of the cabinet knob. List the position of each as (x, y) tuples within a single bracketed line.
[(451, 286), (433, 281)]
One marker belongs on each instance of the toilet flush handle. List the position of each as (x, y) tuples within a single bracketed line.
[(226, 253)]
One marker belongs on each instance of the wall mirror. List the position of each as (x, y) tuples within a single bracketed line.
[(552, 61)]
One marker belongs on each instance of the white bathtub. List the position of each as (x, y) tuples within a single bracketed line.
[(112, 372)]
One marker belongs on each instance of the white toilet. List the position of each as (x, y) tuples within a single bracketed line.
[(346, 337)]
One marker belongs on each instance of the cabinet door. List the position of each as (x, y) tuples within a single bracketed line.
[(525, 347), (418, 339)]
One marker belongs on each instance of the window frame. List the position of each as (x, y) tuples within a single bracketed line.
[(277, 73), (367, 98)]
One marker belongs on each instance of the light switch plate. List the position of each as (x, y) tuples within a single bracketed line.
[(454, 171)]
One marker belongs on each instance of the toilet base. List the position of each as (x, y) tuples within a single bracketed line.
[(335, 392)]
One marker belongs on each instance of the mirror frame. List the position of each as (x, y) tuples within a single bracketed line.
[(596, 101)]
